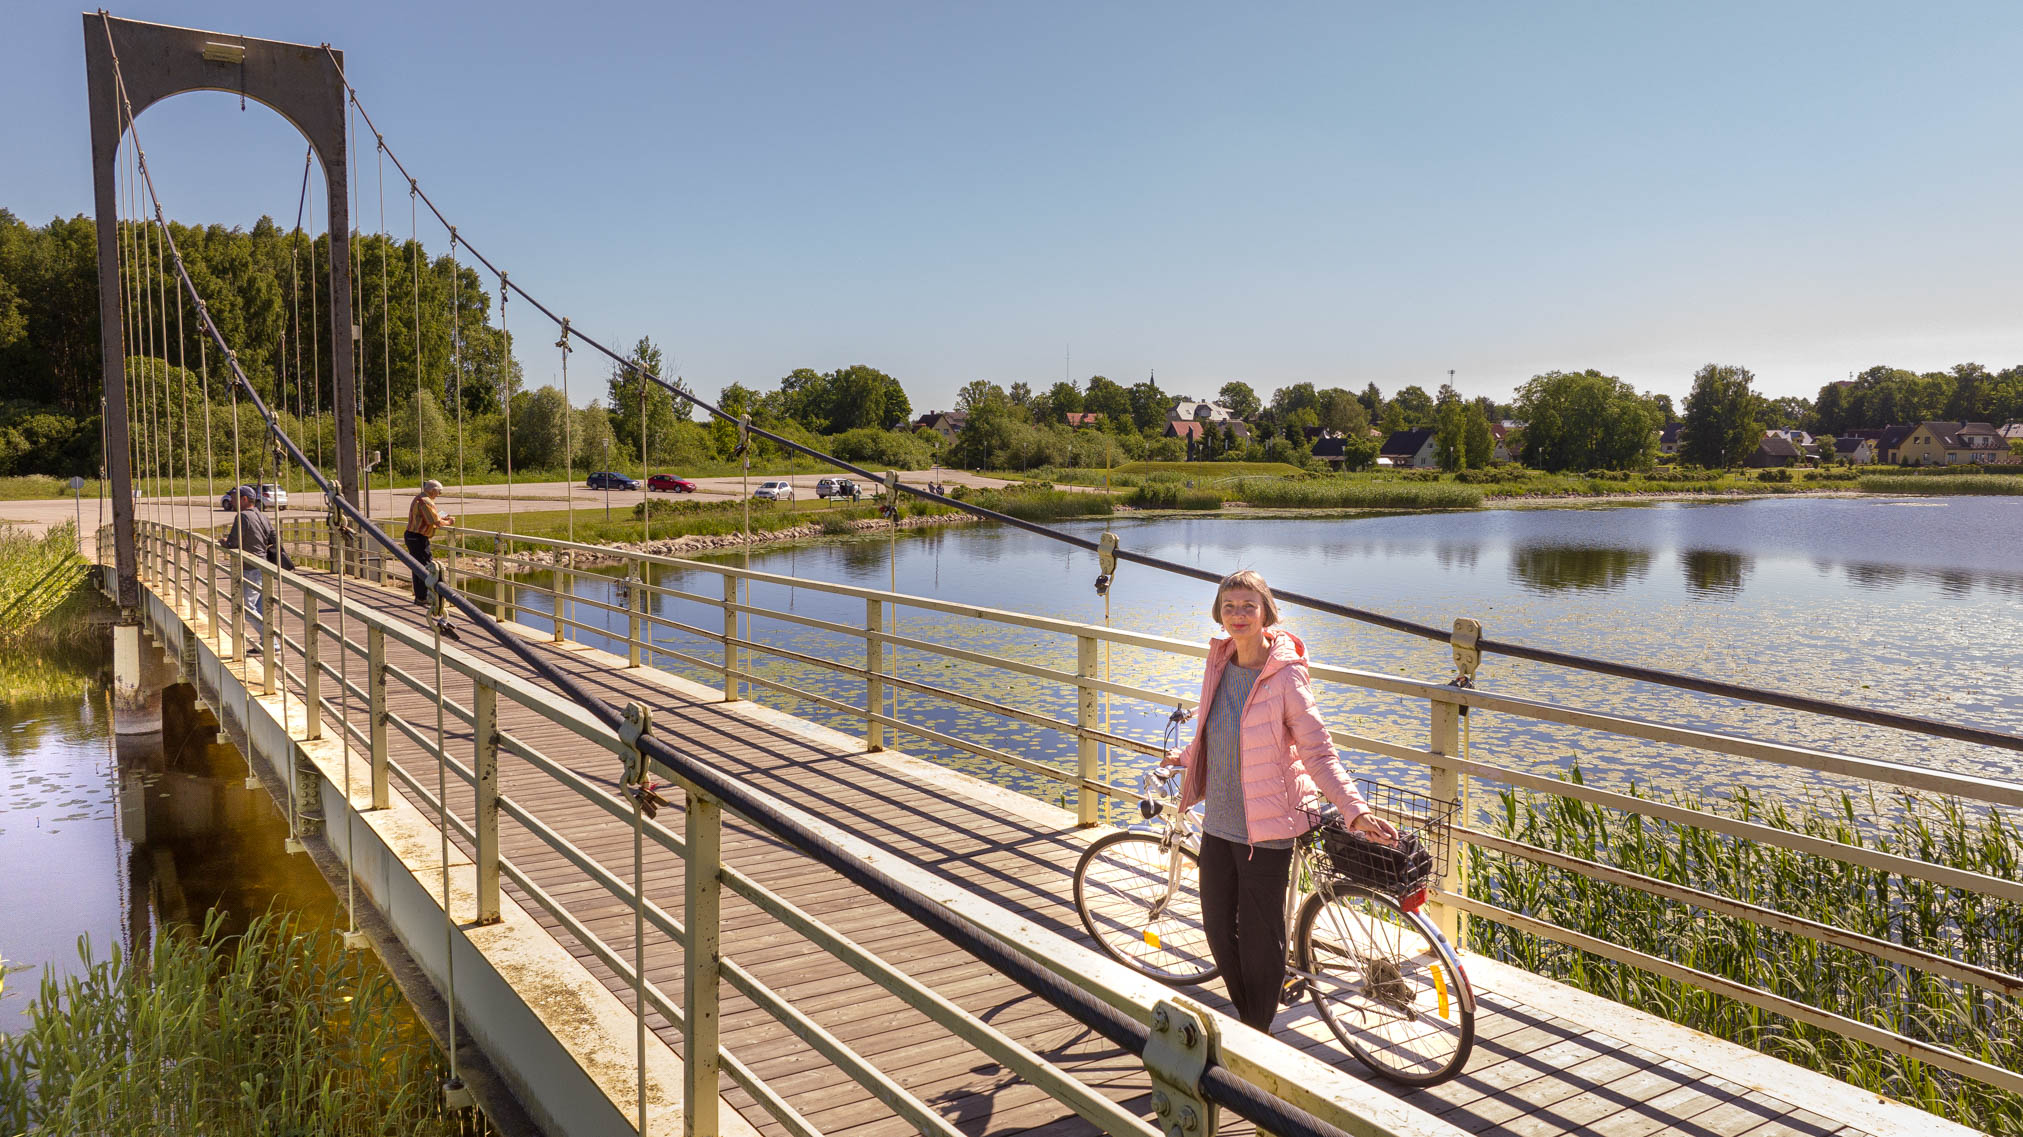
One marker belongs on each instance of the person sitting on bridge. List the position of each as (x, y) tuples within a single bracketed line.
[(1259, 751), (253, 535), (423, 520)]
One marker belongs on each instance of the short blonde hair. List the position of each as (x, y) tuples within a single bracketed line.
[(1245, 578)]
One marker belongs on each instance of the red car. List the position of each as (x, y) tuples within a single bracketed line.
[(668, 483)]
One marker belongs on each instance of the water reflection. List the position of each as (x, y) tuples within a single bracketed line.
[(1550, 568), (1713, 573)]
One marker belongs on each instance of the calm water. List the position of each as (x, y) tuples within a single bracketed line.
[(112, 837), (1912, 605)]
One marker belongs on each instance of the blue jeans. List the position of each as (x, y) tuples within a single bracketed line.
[(251, 599)]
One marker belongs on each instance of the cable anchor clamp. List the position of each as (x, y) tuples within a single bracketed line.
[(1467, 655), (639, 784), (563, 342), (1106, 563), (891, 507), (1178, 1052)]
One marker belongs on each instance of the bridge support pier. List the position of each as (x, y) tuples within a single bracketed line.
[(140, 672)]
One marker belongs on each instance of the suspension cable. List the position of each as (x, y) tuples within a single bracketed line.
[(414, 256), (456, 360)]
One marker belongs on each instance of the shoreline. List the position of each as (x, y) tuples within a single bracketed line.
[(692, 543)]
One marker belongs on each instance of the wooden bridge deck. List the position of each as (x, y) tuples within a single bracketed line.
[(1534, 1072)]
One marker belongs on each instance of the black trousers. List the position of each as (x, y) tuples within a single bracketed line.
[(1243, 908), (418, 547)]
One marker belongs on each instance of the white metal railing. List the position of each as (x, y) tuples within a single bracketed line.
[(196, 580), (494, 559)]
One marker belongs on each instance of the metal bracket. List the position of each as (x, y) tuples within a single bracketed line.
[(891, 507), (357, 941), (1106, 563), (1181, 1047), (456, 1095), (637, 725), (1467, 633)]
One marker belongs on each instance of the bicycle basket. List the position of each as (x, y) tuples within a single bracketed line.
[(1425, 833)]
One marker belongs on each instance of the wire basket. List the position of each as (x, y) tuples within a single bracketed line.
[(1425, 838)]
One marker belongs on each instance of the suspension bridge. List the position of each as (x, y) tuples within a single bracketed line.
[(643, 898)]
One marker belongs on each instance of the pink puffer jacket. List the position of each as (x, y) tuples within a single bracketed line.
[(1284, 754)]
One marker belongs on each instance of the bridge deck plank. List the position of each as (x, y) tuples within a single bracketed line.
[(1533, 1073)]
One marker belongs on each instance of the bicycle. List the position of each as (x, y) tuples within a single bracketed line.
[(1379, 973)]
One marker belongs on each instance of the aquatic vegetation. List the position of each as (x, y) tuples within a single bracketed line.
[(52, 646), (1037, 504), (275, 1031), (1352, 493), (1170, 493), (1982, 1024), (1940, 484)]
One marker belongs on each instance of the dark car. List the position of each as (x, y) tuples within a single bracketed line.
[(668, 483), (606, 480)]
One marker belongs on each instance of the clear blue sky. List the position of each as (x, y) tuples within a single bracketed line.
[(1329, 192)]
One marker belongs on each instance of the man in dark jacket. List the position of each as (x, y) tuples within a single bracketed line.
[(253, 536)]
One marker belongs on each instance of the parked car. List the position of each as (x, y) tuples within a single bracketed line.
[(668, 483), (827, 487), (847, 489), (774, 491), (271, 496), (606, 480)]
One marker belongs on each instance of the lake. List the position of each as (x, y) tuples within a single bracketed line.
[(1914, 605)]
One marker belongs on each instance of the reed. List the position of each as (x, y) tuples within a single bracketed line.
[(1352, 493), (1172, 494), (1941, 484), (1034, 504), (1982, 1024), (277, 1030)]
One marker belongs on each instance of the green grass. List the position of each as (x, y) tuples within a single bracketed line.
[(1986, 1025), (276, 1031), (1352, 493), (34, 487), (49, 645), (1957, 484)]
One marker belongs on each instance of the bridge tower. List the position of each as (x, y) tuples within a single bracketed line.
[(303, 84)]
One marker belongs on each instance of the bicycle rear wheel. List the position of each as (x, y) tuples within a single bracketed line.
[(1141, 912), (1387, 985)]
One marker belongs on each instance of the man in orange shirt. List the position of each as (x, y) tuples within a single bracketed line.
[(423, 520)]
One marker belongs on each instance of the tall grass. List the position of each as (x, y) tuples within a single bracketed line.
[(1032, 504), (275, 1031), (1986, 1025), (1943, 484), (1172, 494), (49, 643), (1344, 493)]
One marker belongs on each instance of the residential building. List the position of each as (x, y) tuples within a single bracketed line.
[(1668, 437), (1501, 432), (1184, 411), (1952, 444), (1080, 419), (947, 424), (1859, 451), (1411, 449), (1333, 451), (2012, 432), (1774, 450)]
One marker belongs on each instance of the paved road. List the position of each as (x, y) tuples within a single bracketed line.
[(39, 515)]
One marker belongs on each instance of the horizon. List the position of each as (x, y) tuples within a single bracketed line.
[(1327, 196)]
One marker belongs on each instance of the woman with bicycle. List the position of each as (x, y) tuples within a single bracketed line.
[(1260, 751)]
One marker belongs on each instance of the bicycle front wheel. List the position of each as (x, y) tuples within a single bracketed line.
[(1387, 985), (1141, 900)]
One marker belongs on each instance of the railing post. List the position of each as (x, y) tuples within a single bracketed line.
[(271, 627), (635, 605), (485, 728), (217, 622), (699, 978), (731, 653), (505, 592), (312, 655), (1450, 784), (874, 662), (563, 579), (450, 565), (1088, 803), (375, 713)]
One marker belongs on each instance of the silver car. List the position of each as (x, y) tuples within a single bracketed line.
[(774, 491)]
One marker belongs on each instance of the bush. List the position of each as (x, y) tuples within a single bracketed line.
[(1777, 475), (883, 449)]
